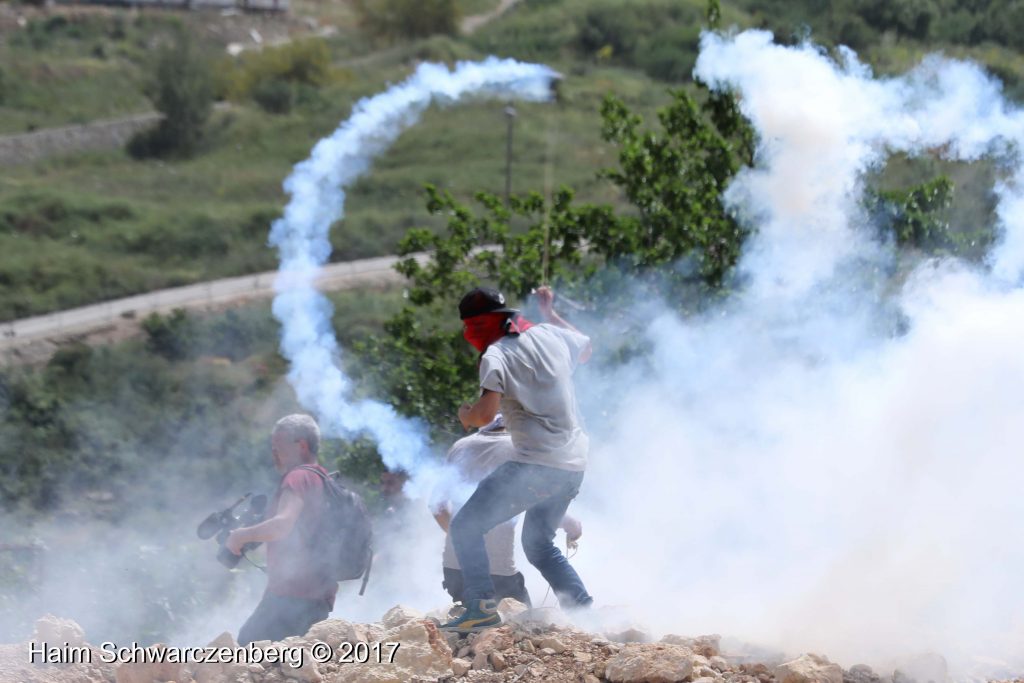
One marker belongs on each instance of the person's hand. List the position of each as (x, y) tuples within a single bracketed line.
[(235, 541), (573, 530), (464, 415), (545, 300)]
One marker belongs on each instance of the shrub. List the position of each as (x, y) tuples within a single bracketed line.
[(260, 75), (658, 37), (393, 20), (274, 96), (181, 89), (170, 336)]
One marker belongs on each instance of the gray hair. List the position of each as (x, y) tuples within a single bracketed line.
[(299, 426)]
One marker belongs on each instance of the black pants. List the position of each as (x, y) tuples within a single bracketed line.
[(277, 617), (504, 586)]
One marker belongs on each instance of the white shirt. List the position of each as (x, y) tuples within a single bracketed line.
[(533, 373), (475, 456)]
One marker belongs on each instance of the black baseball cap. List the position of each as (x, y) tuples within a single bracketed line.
[(483, 300)]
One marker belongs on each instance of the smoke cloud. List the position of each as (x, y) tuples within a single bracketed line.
[(317, 189), (828, 462)]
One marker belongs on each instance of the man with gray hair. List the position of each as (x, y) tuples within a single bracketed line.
[(297, 596)]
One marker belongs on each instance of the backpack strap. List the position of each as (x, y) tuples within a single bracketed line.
[(366, 574), (314, 469)]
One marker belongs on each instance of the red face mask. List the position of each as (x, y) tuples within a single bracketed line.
[(483, 330)]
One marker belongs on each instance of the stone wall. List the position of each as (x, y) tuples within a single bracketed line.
[(29, 147)]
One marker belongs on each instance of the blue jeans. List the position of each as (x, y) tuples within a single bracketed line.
[(544, 493)]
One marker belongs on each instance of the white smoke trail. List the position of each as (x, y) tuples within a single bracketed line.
[(793, 472), (317, 188)]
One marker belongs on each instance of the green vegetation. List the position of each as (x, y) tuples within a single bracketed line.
[(78, 67), (190, 401), (276, 78), (181, 90), (185, 220), (673, 182), (394, 20), (104, 225)]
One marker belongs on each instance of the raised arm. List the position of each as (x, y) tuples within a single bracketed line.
[(546, 303)]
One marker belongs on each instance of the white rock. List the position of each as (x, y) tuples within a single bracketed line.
[(707, 646), (493, 640), (509, 608), (460, 667), (307, 672), (423, 653), (553, 644), (809, 668), (400, 614), (55, 632), (659, 663), (334, 632)]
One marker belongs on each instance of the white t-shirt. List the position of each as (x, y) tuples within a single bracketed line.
[(475, 456), (533, 373)]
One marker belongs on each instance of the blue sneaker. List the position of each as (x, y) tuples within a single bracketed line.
[(479, 615)]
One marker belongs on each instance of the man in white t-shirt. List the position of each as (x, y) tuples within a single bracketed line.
[(526, 373), (474, 457)]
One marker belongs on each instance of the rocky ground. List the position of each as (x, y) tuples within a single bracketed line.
[(533, 645)]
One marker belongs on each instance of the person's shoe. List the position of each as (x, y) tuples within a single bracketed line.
[(479, 615)]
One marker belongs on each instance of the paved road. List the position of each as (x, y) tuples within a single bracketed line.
[(80, 322)]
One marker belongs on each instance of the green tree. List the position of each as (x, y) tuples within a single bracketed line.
[(673, 179), (181, 89)]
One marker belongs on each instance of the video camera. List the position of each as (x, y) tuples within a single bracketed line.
[(245, 511)]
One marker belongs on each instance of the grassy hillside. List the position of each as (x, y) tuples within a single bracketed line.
[(190, 399), (89, 227)]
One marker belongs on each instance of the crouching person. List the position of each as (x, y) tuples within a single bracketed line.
[(474, 457), (297, 594)]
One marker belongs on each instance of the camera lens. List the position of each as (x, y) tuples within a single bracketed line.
[(209, 526)]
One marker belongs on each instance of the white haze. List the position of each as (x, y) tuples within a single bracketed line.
[(789, 469), (794, 472)]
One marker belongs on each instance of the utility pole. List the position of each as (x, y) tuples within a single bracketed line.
[(510, 114)]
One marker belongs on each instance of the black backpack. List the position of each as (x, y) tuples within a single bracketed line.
[(344, 538)]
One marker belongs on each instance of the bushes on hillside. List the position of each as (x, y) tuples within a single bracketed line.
[(277, 77), (181, 89), (393, 20)]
